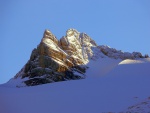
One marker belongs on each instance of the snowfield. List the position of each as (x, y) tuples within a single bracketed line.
[(110, 86)]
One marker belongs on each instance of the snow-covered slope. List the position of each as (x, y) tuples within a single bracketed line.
[(141, 107), (110, 86)]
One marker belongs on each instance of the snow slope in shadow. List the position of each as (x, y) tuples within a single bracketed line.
[(116, 88)]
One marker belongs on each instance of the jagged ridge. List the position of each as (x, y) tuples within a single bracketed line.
[(55, 60)]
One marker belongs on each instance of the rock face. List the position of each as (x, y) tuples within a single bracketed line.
[(55, 60), (50, 54), (78, 46)]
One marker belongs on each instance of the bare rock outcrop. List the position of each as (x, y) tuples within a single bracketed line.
[(50, 63), (58, 60), (71, 45), (49, 48), (79, 46)]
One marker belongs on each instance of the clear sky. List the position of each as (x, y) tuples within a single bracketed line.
[(121, 24)]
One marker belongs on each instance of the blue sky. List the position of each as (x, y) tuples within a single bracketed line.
[(121, 24)]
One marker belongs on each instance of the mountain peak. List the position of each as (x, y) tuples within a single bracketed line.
[(65, 59), (71, 32)]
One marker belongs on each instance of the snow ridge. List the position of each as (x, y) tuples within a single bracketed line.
[(118, 54)]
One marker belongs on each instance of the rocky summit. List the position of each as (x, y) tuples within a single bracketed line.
[(59, 60)]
